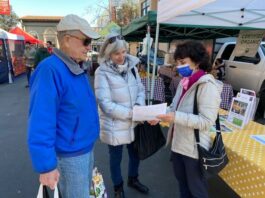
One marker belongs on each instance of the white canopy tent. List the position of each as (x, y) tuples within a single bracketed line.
[(221, 14), (165, 11), (6, 35), (213, 13)]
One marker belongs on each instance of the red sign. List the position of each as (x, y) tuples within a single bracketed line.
[(4, 7)]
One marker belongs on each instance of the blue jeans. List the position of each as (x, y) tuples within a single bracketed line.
[(75, 175), (191, 182), (115, 153)]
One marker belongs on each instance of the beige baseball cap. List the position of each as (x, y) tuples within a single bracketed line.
[(74, 22)]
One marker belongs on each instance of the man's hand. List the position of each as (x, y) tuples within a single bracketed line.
[(50, 179), (169, 117)]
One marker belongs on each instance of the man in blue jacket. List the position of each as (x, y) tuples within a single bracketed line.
[(63, 116)]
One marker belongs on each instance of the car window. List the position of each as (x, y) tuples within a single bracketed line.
[(228, 51), (246, 59)]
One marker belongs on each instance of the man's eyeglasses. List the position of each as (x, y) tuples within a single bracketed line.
[(86, 41), (114, 38)]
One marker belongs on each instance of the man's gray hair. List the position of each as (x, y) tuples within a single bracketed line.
[(108, 48)]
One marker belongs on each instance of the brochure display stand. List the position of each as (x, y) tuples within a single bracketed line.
[(242, 108)]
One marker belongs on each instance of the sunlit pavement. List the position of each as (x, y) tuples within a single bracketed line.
[(17, 179)]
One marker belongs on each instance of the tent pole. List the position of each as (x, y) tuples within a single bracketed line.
[(10, 78), (154, 64), (148, 63), (213, 51)]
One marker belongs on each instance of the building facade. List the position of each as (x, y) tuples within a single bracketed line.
[(146, 5), (42, 27)]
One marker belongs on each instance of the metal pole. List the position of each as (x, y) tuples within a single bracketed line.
[(148, 63), (10, 79), (154, 65), (213, 51)]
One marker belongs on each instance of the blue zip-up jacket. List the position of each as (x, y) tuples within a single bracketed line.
[(63, 116)]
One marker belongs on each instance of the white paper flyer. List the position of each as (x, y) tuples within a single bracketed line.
[(259, 138), (144, 113)]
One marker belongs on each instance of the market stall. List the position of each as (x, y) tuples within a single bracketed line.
[(201, 19), (245, 172), (27, 36), (11, 56)]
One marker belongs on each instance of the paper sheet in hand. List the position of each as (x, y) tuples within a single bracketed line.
[(142, 113)]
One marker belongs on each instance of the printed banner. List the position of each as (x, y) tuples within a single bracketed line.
[(248, 42), (4, 7)]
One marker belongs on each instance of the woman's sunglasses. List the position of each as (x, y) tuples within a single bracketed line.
[(114, 38), (86, 41)]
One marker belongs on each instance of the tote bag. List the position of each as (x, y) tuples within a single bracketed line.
[(148, 140)]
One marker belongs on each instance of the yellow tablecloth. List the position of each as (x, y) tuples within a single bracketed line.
[(245, 173)]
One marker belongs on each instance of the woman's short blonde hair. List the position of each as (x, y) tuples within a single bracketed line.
[(109, 47)]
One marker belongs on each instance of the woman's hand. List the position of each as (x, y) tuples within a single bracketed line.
[(153, 122), (169, 117)]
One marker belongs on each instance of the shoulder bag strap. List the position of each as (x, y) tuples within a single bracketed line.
[(195, 111)]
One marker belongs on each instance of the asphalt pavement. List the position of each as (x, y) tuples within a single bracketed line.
[(18, 180)]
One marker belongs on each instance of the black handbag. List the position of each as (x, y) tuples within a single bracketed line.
[(211, 161), (148, 140)]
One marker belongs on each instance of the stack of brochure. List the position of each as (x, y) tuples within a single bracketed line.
[(242, 108)]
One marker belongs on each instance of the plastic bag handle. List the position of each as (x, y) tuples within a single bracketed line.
[(40, 192)]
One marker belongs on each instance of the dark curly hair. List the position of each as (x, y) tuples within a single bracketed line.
[(196, 52)]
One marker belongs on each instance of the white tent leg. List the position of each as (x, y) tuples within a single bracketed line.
[(154, 65), (148, 64), (10, 79)]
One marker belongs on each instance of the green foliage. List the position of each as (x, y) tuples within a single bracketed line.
[(8, 21), (111, 27)]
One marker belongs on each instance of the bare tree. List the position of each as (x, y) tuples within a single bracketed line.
[(121, 12), (99, 11), (126, 12)]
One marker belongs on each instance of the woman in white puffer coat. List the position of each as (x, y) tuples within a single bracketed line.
[(118, 88)]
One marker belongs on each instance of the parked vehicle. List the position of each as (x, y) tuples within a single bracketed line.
[(93, 58), (241, 71)]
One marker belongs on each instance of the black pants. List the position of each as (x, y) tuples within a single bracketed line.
[(187, 172), (29, 69), (115, 153)]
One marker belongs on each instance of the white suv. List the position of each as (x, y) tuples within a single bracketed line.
[(241, 71)]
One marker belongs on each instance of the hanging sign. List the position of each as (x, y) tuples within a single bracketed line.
[(4, 7), (248, 42)]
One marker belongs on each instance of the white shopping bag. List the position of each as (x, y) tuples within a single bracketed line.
[(40, 192), (98, 189)]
